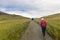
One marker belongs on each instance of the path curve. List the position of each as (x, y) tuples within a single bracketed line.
[(34, 32)]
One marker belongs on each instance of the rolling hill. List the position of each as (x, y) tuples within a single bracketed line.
[(12, 27), (10, 16), (53, 25)]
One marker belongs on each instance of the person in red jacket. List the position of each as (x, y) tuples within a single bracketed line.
[(43, 25)]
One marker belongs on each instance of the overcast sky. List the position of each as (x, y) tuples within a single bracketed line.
[(30, 8)]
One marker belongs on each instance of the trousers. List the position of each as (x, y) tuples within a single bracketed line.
[(43, 30)]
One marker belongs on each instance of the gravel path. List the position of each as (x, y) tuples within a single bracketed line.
[(34, 32)]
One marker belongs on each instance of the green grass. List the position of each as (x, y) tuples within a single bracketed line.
[(12, 27), (53, 25)]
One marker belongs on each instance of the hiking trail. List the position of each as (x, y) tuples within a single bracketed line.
[(34, 32)]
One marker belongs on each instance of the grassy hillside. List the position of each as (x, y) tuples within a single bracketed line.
[(12, 27), (4, 16), (53, 25)]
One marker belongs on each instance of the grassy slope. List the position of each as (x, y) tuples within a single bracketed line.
[(53, 25), (12, 26)]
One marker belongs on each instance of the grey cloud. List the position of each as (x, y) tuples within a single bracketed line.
[(36, 8)]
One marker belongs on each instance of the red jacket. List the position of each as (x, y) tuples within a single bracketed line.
[(43, 23)]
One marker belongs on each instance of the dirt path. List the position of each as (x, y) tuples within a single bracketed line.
[(34, 32)]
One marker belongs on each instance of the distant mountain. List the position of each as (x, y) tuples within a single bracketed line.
[(2, 13), (10, 16), (54, 16)]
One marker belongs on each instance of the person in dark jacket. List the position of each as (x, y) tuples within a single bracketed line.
[(32, 18), (43, 24)]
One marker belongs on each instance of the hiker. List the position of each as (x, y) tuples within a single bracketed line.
[(43, 26), (32, 18)]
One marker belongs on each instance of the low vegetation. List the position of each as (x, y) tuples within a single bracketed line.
[(12, 27), (53, 25)]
